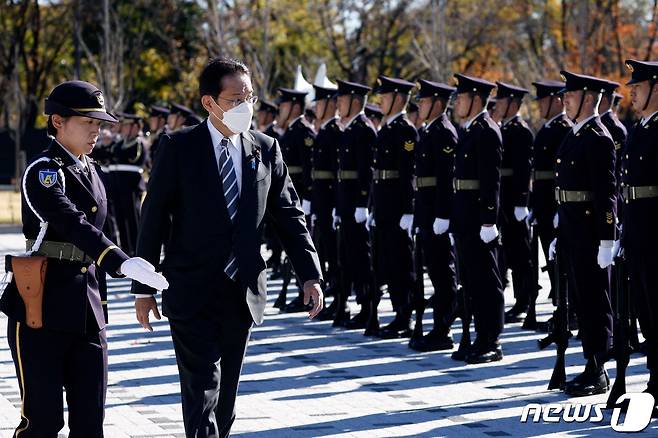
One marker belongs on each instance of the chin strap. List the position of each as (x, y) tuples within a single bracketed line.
[(548, 110), (580, 107)]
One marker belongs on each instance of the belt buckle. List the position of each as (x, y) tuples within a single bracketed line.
[(558, 197), (632, 193)]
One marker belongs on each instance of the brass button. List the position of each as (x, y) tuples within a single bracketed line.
[(587, 212), (83, 269), (557, 174), (94, 209), (573, 162), (558, 161)]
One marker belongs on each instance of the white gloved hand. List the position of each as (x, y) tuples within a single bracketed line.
[(440, 226), (306, 207), (407, 222), (370, 222), (138, 269), (616, 249), (360, 215), (605, 256), (521, 213), (556, 220), (336, 219), (551, 249), (488, 234), (452, 239)]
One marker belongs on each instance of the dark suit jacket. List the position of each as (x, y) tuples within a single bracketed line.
[(185, 210)]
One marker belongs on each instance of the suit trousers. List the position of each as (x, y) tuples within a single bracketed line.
[(210, 349), (47, 361), (482, 284)]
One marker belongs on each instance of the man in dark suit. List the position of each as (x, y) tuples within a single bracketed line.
[(212, 186)]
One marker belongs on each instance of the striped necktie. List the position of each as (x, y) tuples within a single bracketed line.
[(231, 195)]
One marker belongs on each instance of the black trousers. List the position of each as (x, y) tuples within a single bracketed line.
[(127, 201), (439, 258), (355, 257), (518, 257), (546, 233), (47, 361), (395, 264), (325, 240), (482, 284), (210, 348), (642, 267), (589, 293)]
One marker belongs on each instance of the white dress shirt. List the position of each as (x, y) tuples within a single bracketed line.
[(234, 149), (646, 119), (582, 123), (81, 163)]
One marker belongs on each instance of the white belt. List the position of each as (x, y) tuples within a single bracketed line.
[(123, 168)]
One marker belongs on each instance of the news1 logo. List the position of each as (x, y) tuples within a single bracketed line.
[(637, 415)]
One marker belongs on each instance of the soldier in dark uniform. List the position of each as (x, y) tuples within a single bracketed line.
[(157, 124), (128, 158), (609, 118), (374, 113), (177, 115), (323, 186), (266, 118), (514, 195), (412, 115), (639, 188), (475, 213), (549, 137), (434, 162), (63, 205), (393, 201), (354, 165), (192, 120), (296, 147), (585, 192)]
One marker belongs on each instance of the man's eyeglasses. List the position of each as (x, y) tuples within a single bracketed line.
[(235, 102)]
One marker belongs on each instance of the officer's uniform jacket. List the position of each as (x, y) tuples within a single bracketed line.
[(640, 168), (478, 157), (324, 159), (586, 162), (296, 146), (516, 165), (394, 150), (435, 160), (355, 150), (74, 206)]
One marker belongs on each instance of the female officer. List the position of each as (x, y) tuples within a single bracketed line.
[(64, 208)]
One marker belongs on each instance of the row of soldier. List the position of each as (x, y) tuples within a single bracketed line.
[(388, 197)]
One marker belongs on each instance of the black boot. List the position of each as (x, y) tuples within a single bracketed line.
[(296, 305), (329, 312), (435, 340), (594, 380), (341, 317), (516, 314), (400, 327), (484, 352), (360, 320)]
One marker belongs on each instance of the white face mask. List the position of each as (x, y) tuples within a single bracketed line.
[(237, 119)]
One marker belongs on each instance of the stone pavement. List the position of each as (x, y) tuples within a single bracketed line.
[(305, 379)]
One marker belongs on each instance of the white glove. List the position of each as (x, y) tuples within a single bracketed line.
[(452, 239), (616, 249), (314, 218), (138, 269), (360, 215), (605, 256), (407, 222), (440, 226), (487, 234), (521, 213), (306, 207), (551, 249), (556, 220), (370, 222), (336, 219)]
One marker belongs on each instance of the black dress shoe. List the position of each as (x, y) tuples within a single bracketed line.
[(396, 329), (516, 314), (460, 354), (432, 341), (328, 313), (589, 382), (296, 305), (359, 321), (341, 318), (493, 353)]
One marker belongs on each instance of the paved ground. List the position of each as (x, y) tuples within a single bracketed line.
[(306, 379)]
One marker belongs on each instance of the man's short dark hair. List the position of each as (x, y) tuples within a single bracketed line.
[(210, 80)]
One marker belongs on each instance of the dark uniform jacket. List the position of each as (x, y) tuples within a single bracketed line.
[(394, 150), (296, 146), (271, 131), (324, 159), (478, 157), (355, 150), (185, 209), (435, 158), (517, 160), (640, 168), (586, 162), (74, 206), (548, 140)]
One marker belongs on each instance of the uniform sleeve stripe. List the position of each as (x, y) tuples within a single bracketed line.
[(104, 253)]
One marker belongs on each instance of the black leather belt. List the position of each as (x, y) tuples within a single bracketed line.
[(562, 196), (631, 193), (383, 174), (60, 251), (465, 184)]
